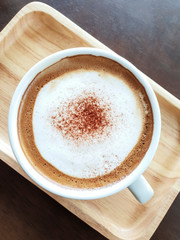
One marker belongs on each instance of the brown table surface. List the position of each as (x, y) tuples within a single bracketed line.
[(145, 32)]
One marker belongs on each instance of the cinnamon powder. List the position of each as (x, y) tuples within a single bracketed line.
[(84, 118)]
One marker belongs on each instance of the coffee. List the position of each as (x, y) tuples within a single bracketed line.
[(85, 122)]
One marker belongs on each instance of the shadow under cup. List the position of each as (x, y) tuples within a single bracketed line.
[(136, 183)]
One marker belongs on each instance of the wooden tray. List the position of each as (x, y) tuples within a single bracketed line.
[(37, 31)]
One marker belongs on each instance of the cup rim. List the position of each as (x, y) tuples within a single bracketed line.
[(66, 191)]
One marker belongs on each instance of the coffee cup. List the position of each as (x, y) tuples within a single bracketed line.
[(84, 123)]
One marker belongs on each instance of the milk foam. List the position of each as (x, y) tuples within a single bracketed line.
[(93, 159)]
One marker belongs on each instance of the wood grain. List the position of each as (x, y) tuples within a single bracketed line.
[(37, 31)]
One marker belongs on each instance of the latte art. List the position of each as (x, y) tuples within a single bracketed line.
[(89, 121)]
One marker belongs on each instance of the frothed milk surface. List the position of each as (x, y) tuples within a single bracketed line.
[(86, 157), (87, 121)]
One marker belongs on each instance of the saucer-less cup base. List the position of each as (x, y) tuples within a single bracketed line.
[(136, 183)]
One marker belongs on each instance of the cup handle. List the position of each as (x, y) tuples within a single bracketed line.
[(141, 189)]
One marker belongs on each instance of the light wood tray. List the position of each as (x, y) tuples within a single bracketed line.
[(37, 31)]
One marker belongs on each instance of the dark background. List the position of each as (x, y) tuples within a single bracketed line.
[(147, 33)]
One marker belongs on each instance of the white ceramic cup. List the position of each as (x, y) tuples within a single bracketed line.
[(135, 181)]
